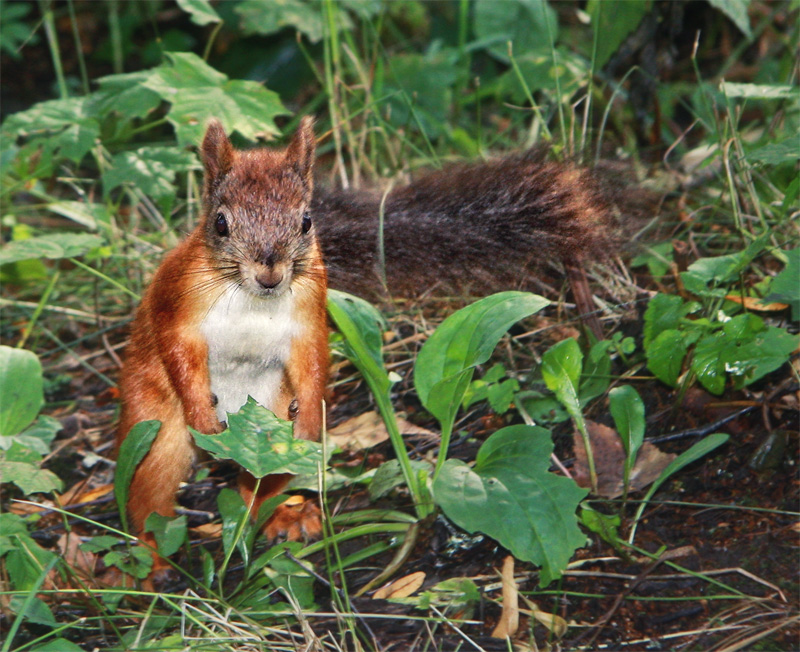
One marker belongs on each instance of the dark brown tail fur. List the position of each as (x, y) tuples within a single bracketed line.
[(472, 228)]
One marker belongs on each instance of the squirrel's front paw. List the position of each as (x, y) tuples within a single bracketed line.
[(296, 519)]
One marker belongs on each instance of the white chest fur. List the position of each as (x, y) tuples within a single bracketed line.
[(249, 340)]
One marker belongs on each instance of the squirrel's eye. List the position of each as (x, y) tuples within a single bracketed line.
[(221, 224), (306, 222)]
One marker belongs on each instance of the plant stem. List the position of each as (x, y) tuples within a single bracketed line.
[(52, 42), (116, 36), (106, 278), (78, 48), (42, 303)]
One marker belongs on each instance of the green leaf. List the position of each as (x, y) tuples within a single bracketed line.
[(510, 496), (150, 169), (21, 388), (262, 443), (720, 269), (759, 91), (612, 21), (785, 287), (26, 562), (100, 543), (736, 10), (786, 151), (658, 258), (541, 70), (465, 339), (664, 312), (35, 610), (627, 410), (86, 214), (708, 362), (29, 477), (596, 374), (603, 524), (390, 475), (540, 407), (201, 11), (561, 370), (57, 645), (169, 531), (259, 17), (53, 246), (501, 395), (421, 85), (198, 93), (132, 451), (764, 353), (135, 560), (14, 31), (362, 326), (124, 94), (39, 435), (63, 126), (529, 24), (665, 356)]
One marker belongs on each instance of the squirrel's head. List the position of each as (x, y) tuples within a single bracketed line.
[(256, 210)]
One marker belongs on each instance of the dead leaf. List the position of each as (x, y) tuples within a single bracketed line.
[(368, 430), (650, 462), (609, 461), (208, 530), (509, 619), (754, 303), (553, 622), (401, 588), (80, 492), (81, 560)]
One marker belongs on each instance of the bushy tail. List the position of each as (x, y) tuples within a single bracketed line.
[(472, 228)]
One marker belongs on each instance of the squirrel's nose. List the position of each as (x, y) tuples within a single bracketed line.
[(269, 278)]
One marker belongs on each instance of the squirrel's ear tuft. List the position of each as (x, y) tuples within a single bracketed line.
[(217, 154), (300, 153)]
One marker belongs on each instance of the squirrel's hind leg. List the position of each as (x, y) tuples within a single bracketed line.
[(294, 520)]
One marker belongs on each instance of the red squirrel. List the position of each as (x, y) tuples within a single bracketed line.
[(238, 308)]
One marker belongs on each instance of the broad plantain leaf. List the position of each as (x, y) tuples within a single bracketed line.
[(627, 409), (262, 443), (465, 339), (561, 371), (510, 496), (131, 452), (21, 389), (362, 326)]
